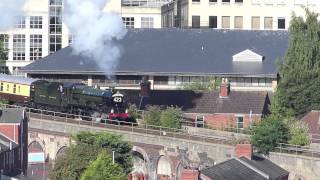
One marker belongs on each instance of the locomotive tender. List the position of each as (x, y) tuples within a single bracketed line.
[(73, 98)]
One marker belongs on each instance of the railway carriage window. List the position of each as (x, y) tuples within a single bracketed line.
[(1, 87), (18, 89), (7, 87), (14, 88)]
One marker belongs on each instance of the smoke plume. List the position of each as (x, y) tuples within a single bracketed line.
[(9, 11), (95, 31)]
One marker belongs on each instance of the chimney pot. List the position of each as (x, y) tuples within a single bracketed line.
[(244, 149), (224, 89)]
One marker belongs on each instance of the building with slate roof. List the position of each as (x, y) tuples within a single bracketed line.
[(219, 109), (13, 141), (245, 166), (169, 58)]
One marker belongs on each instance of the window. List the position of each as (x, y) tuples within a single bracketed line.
[(238, 22), (55, 25), (146, 22), (18, 89), (195, 0), (262, 82), (21, 22), (213, 22), (281, 23), (35, 46), (4, 70), (55, 2), (14, 88), (195, 21), (212, 1), (225, 1), (4, 38), (8, 88), (238, 1), (255, 22), (19, 43), (128, 22), (240, 122), (225, 22), (36, 22), (161, 80), (1, 87), (267, 22), (199, 121)]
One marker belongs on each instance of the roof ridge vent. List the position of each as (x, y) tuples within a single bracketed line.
[(247, 56), (253, 168)]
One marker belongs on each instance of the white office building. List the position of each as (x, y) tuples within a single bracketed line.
[(42, 31), (235, 14)]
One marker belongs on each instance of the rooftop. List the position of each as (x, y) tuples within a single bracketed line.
[(203, 102), (258, 168), (11, 115), (178, 52), (312, 119)]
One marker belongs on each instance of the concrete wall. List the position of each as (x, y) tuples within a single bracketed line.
[(298, 166)]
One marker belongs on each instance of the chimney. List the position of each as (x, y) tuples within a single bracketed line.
[(145, 87), (244, 149), (224, 88)]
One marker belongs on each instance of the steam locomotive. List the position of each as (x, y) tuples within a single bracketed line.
[(73, 98)]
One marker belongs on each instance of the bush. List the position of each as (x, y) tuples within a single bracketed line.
[(299, 133), (152, 115), (268, 133), (171, 117)]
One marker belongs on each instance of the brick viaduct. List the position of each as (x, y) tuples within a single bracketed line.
[(161, 154)]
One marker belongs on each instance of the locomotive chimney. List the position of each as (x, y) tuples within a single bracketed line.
[(145, 86)]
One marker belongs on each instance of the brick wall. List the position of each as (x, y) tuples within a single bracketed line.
[(223, 121)]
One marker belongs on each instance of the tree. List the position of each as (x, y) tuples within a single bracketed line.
[(268, 133), (171, 117), (72, 164), (103, 168), (87, 146), (133, 112), (152, 115), (299, 70)]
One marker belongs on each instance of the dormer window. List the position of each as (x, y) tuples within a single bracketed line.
[(247, 56)]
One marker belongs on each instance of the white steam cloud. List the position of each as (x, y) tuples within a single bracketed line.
[(9, 11), (94, 31)]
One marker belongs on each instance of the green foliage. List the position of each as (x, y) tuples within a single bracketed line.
[(102, 168), (3, 102), (88, 145), (133, 112), (71, 165), (211, 83), (298, 90), (111, 143), (299, 134), (269, 132), (152, 115), (171, 117)]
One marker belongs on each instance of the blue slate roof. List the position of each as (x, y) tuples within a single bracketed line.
[(179, 51)]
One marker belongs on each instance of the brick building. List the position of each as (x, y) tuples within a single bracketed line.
[(13, 141), (218, 109)]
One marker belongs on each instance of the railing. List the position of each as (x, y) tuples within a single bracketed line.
[(155, 130), (123, 126)]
